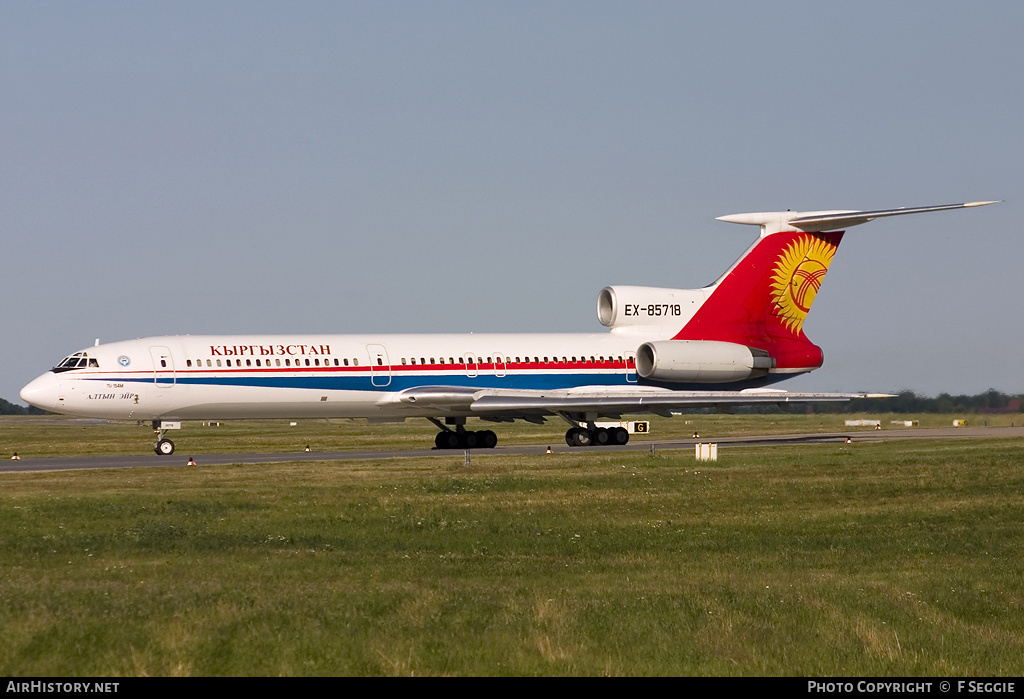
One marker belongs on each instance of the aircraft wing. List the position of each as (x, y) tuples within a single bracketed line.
[(604, 401)]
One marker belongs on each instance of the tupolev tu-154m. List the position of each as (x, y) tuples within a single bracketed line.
[(665, 350)]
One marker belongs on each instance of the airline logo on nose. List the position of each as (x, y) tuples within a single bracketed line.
[(797, 277)]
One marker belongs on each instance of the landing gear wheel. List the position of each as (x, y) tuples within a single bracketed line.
[(600, 436), (470, 440), (619, 435), (446, 440), (578, 437), (488, 439), (165, 447)]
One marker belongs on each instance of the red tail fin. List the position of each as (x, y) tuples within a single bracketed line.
[(763, 300)]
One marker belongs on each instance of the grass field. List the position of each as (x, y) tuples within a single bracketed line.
[(56, 436), (901, 558)]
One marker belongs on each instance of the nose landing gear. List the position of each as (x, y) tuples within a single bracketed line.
[(164, 447)]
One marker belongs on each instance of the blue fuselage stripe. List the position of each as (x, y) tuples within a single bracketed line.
[(394, 382), (381, 381)]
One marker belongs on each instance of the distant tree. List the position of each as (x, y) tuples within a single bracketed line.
[(909, 402), (8, 408)]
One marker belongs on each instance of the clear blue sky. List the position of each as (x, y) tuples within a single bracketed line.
[(342, 167)]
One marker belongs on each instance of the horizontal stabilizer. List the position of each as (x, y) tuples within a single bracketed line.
[(818, 221)]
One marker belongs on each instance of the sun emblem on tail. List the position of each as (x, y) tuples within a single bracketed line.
[(797, 277)]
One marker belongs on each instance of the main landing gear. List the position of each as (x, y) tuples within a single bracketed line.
[(460, 437), (464, 439), (596, 436), (576, 436)]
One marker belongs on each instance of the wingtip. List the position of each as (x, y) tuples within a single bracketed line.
[(981, 203)]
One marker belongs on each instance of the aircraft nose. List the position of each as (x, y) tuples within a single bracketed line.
[(42, 392)]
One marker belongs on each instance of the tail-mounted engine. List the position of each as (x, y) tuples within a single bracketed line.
[(691, 361), (647, 307)]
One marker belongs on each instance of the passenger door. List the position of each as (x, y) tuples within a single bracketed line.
[(163, 367), (380, 365)]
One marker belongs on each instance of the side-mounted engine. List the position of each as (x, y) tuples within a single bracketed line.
[(706, 361)]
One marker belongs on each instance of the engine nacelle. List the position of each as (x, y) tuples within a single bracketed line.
[(647, 306), (691, 361)]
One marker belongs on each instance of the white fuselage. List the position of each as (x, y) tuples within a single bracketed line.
[(323, 376)]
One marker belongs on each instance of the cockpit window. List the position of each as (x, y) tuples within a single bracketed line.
[(78, 360)]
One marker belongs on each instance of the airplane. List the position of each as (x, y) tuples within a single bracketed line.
[(665, 350)]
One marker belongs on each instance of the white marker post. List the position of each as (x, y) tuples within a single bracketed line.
[(706, 452)]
